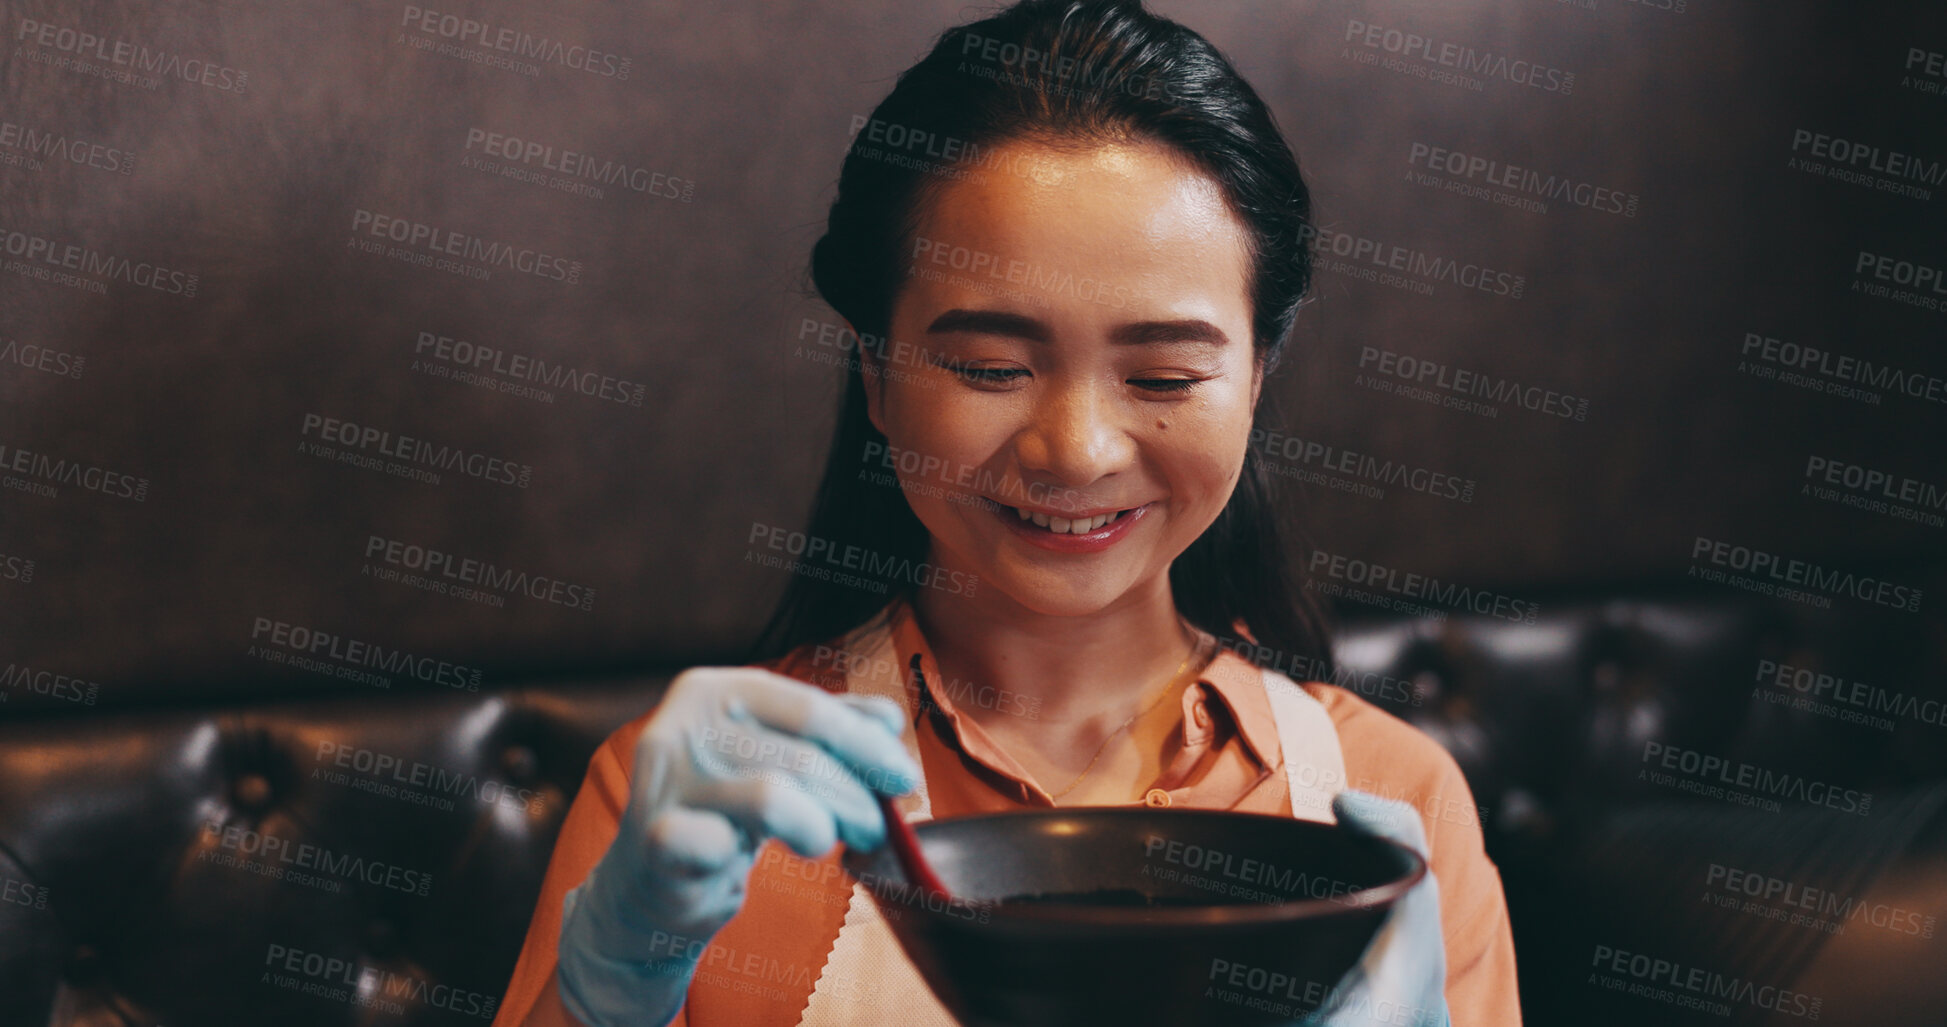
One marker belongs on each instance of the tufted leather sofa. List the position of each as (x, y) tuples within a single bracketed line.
[(349, 861)]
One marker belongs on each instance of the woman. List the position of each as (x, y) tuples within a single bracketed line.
[(1085, 239)]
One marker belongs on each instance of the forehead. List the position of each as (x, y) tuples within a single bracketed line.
[(1135, 213)]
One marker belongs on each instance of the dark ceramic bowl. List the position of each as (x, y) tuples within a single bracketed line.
[(1139, 916)]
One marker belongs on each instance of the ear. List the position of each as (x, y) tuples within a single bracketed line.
[(1257, 381), (872, 365)]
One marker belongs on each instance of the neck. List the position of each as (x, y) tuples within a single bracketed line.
[(1067, 668)]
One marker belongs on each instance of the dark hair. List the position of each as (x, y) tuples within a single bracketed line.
[(1060, 71)]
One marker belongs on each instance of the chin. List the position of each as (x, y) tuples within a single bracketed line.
[(1057, 596), (1042, 585)]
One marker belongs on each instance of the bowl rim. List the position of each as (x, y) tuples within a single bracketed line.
[(1363, 900)]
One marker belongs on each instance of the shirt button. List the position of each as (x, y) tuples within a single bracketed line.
[(1157, 797)]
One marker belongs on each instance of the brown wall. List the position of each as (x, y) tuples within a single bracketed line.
[(746, 108)]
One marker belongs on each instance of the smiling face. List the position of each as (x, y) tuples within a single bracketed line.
[(1072, 339)]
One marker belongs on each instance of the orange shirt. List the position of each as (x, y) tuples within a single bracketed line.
[(761, 968)]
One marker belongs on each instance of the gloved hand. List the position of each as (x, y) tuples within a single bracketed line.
[(1401, 981), (733, 756)]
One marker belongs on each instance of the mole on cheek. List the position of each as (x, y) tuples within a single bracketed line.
[(1161, 424)]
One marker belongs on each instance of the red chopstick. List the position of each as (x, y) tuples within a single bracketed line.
[(905, 845)]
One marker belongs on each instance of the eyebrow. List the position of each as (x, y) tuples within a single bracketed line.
[(1135, 333)]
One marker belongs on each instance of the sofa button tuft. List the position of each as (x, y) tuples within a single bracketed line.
[(382, 938), (252, 791), (84, 966), (520, 764)]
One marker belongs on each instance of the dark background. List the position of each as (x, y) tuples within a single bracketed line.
[(700, 299)]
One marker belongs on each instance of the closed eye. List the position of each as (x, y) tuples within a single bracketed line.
[(985, 375), (1166, 384)]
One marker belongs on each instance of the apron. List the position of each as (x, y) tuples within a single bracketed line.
[(867, 978)]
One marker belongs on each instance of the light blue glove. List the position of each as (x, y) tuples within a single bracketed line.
[(1401, 981), (732, 757)]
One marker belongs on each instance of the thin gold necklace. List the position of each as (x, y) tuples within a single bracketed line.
[(1168, 687)]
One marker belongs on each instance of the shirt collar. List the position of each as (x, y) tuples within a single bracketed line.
[(1235, 681)]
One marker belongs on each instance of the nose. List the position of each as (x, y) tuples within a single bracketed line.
[(1076, 436)]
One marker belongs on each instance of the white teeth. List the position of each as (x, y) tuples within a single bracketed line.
[(1064, 525)]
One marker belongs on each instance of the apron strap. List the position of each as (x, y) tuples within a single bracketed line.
[(867, 978), (1314, 764)]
